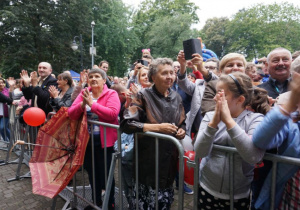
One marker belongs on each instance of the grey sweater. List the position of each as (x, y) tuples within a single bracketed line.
[(214, 167)]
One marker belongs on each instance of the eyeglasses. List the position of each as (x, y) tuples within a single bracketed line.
[(176, 66), (210, 67)]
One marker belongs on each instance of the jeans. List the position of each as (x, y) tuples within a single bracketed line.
[(4, 122)]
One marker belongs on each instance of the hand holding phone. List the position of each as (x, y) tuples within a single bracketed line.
[(190, 47)]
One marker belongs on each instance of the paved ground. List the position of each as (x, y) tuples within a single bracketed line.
[(18, 194)]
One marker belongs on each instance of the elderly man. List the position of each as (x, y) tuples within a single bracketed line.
[(36, 88), (278, 64)]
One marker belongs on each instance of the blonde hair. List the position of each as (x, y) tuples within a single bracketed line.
[(230, 57)]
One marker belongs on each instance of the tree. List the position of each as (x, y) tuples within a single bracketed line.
[(261, 28), (167, 41), (214, 34), (148, 20), (35, 31), (115, 38)]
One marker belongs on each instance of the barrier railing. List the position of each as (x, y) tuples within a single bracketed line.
[(17, 132), (231, 152), (108, 179)]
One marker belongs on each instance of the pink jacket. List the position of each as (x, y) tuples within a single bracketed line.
[(107, 108)]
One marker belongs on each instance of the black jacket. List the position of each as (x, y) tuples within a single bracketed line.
[(151, 107), (65, 101), (271, 88), (42, 93)]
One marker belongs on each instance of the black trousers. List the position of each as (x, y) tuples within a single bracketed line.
[(99, 171)]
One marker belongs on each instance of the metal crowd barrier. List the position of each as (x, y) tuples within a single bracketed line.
[(77, 194), (17, 131), (80, 196), (231, 152)]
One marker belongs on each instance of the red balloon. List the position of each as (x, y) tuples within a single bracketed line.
[(34, 116), (189, 172)]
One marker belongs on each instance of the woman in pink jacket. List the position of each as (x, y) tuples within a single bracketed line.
[(101, 104)]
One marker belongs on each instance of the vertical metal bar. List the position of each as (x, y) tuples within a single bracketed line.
[(196, 181), (93, 165), (181, 177), (231, 182), (109, 181), (120, 171), (4, 123), (136, 172), (105, 155), (156, 172), (273, 185), (74, 203)]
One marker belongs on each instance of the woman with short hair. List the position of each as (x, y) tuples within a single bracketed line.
[(157, 109), (62, 97)]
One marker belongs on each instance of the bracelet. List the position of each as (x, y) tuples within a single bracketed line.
[(286, 113)]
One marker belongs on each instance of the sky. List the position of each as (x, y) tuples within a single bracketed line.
[(220, 8)]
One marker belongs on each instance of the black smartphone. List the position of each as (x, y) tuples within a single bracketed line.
[(143, 62), (190, 47)]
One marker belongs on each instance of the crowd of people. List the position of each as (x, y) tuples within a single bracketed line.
[(231, 102)]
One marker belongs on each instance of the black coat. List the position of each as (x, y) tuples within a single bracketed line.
[(152, 107), (270, 87), (42, 93), (65, 101)]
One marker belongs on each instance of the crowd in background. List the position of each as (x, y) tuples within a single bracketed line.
[(230, 102)]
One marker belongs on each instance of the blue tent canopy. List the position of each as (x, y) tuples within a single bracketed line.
[(75, 75)]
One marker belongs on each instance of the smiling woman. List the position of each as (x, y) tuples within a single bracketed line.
[(100, 104), (157, 109)]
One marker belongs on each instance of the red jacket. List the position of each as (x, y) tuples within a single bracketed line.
[(107, 108)]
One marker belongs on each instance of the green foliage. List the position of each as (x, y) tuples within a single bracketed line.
[(254, 32), (214, 34), (162, 25), (114, 37)]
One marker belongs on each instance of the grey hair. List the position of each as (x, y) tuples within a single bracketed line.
[(295, 66), (277, 49), (153, 68), (97, 71)]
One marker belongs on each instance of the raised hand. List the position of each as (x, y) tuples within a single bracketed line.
[(83, 77), (25, 78), (182, 61), (87, 99), (137, 68), (225, 111), (34, 78), (53, 91), (294, 100), (134, 89), (217, 115), (11, 81)]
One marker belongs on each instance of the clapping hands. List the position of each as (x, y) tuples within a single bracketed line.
[(222, 112), (53, 91)]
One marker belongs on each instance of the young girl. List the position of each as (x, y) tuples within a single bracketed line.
[(231, 124)]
